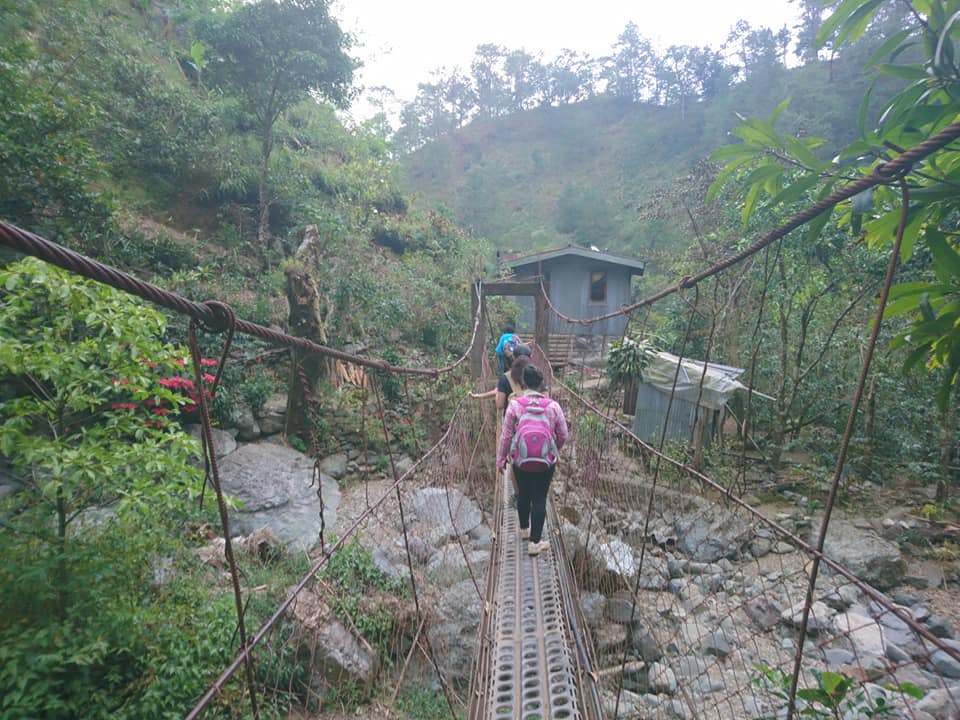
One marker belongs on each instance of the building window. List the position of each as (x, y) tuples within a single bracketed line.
[(598, 287)]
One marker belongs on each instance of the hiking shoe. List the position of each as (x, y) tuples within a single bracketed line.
[(525, 533), (535, 548)]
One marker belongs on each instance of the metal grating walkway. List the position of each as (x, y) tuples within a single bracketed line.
[(527, 668)]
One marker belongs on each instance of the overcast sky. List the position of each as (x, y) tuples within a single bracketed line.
[(402, 41)]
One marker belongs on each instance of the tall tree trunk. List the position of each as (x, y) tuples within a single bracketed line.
[(307, 369), (778, 432), (948, 428), (869, 419), (263, 194)]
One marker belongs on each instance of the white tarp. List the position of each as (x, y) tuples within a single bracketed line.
[(718, 384)]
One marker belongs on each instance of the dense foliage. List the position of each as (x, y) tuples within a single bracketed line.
[(90, 627)]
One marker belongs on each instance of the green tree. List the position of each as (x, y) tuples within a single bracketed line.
[(488, 80), (49, 163), (81, 362), (767, 161), (633, 70), (273, 54), (104, 476)]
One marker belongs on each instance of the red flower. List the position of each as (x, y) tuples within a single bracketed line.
[(206, 362), (160, 411), (123, 406)]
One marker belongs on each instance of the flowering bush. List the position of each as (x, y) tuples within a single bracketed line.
[(178, 397)]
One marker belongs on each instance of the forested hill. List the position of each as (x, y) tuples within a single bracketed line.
[(625, 169)]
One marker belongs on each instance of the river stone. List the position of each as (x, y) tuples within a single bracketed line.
[(272, 415), (246, 424), (592, 605), (453, 633), (274, 484), (223, 442), (862, 552), (864, 632), (336, 657), (712, 534), (662, 679), (945, 664), (334, 465), (446, 509)]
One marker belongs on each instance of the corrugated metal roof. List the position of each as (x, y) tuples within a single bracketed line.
[(576, 250)]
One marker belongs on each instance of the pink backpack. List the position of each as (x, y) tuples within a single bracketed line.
[(533, 447)]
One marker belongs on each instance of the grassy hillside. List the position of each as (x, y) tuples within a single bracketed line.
[(622, 176)]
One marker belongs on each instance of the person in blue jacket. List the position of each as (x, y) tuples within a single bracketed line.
[(508, 338)]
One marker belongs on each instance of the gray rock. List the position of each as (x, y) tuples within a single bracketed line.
[(453, 635), (482, 537), (333, 653), (644, 644), (943, 703), (450, 565), (945, 664), (334, 465), (387, 567), (420, 550), (246, 424), (864, 632), (620, 608), (862, 552), (838, 656), (273, 414), (662, 679), (939, 626), (223, 442), (717, 644), (689, 667), (610, 639), (274, 484), (897, 655), (593, 605), (817, 621), (764, 611), (447, 509), (712, 534), (627, 706)]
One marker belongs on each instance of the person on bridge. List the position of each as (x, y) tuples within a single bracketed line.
[(511, 379), (534, 431), (508, 340)]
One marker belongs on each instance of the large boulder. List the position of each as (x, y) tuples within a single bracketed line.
[(223, 442), (711, 534), (447, 510), (273, 414), (453, 635), (274, 484), (863, 552), (332, 655)]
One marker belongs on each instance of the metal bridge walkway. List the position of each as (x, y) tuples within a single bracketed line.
[(530, 664)]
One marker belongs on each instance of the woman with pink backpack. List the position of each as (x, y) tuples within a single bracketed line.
[(534, 431)]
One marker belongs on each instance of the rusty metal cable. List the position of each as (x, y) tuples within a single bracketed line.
[(211, 315)]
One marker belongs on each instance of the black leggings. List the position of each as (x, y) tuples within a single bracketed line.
[(532, 488)]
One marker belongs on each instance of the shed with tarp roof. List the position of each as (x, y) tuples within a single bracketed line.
[(700, 393)]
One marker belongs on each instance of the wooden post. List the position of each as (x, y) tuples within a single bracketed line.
[(480, 347), (541, 319), (306, 368)]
